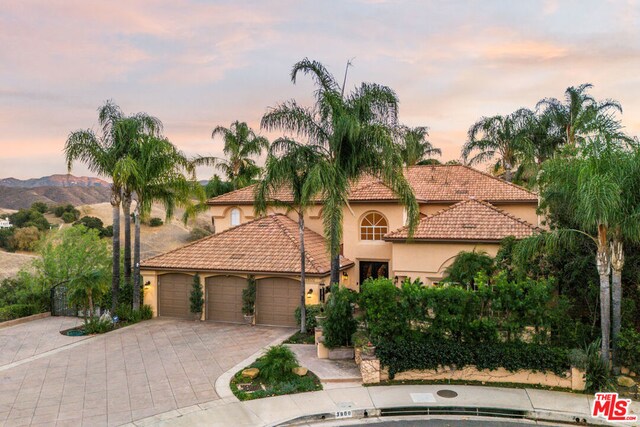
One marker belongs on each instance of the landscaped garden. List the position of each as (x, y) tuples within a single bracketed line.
[(275, 373)]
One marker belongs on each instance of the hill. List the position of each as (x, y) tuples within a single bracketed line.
[(58, 180), (20, 197)]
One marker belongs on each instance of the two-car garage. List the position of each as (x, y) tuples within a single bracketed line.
[(276, 298)]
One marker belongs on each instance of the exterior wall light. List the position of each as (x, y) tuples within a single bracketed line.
[(309, 293)]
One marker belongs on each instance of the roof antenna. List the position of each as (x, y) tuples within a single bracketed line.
[(346, 70)]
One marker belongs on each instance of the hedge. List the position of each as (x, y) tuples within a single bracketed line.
[(16, 311), (435, 352)]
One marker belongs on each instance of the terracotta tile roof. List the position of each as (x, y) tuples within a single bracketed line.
[(469, 220), (439, 183), (267, 244)]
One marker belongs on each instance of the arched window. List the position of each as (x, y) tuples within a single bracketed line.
[(235, 217), (373, 226)]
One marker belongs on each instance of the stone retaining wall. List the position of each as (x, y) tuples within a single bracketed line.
[(372, 373)]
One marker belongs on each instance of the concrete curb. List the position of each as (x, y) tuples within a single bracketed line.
[(25, 319)]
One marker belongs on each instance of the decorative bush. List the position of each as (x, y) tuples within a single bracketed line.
[(146, 312), (339, 325), (107, 231), (276, 364), (97, 326), (196, 299), (249, 297), (312, 311), (383, 314), (155, 222), (598, 375), (466, 266), (435, 352), (629, 349), (16, 311)]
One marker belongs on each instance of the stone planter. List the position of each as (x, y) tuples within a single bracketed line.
[(341, 353), (197, 316), (320, 320), (248, 319)]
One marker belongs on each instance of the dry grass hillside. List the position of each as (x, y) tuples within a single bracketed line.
[(153, 240), (21, 198)]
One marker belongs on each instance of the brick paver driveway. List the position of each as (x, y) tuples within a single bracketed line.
[(112, 379)]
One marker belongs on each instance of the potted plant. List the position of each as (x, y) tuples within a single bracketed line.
[(249, 300), (196, 298)]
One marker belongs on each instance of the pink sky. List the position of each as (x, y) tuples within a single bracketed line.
[(198, 64)]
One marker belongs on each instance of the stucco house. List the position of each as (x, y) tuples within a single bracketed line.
[(461, 209)]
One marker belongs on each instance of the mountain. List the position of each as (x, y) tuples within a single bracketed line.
[(54, 181), (20, 197)]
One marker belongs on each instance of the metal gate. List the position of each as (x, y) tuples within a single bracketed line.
[(60, 303)]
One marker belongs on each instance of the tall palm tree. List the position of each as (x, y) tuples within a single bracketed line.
[(579, 114), (415, 147), (497, 136), (587, 190), (240, 144), (105, 155), (354, 133), (159, 173), (288, 166)]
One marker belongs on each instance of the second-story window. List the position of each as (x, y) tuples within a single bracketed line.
[(373, 226), (235, 217)]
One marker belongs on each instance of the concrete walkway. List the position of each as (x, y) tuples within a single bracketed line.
[(322, 406), (329, 371)]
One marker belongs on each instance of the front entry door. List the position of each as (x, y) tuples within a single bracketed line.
[(373, 269)]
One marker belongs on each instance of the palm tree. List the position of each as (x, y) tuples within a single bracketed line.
[(587, 190), (240, 144), (580, 114), (104, 155), (354, 133), (158, 175), (497, 136), (288, 165), (415, 147)]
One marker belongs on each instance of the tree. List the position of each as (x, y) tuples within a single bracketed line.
[(156, 173), (288, 166), (497, 136), (354, 133), (106, 155), (78, 257), (585, 193), (40, 207), (216, 187), (196, 298), (467, 265), (240, 144), (415, 147), (26, 238), (580, 114)]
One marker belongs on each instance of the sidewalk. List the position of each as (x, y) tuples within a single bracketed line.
[(315, 407)]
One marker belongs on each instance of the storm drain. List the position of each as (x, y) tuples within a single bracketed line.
[(453, 410), (447, 394)]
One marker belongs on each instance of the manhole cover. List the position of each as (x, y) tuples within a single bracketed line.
[(449, 394)]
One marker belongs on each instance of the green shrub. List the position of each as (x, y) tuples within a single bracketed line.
[(276, 364), (629, 349), (436, 352), (380, 301), (40, 207), (26, 239), (29, 218), (598, 375), (466, 266), (155, 222), (146, 312), (16, 311), (124, 312), (312, 311), (249, 297), (339, 325), (6, 239), (107, 231), (68, 217), (97, 326), (91, 222), (198, 233), (196, 299)]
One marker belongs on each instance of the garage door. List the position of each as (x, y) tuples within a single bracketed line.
[(173, 295), (224, 298), (276, 301)]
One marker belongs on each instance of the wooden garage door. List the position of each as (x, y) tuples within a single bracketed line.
[(224, 298), (173, 295), (276, 301)]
